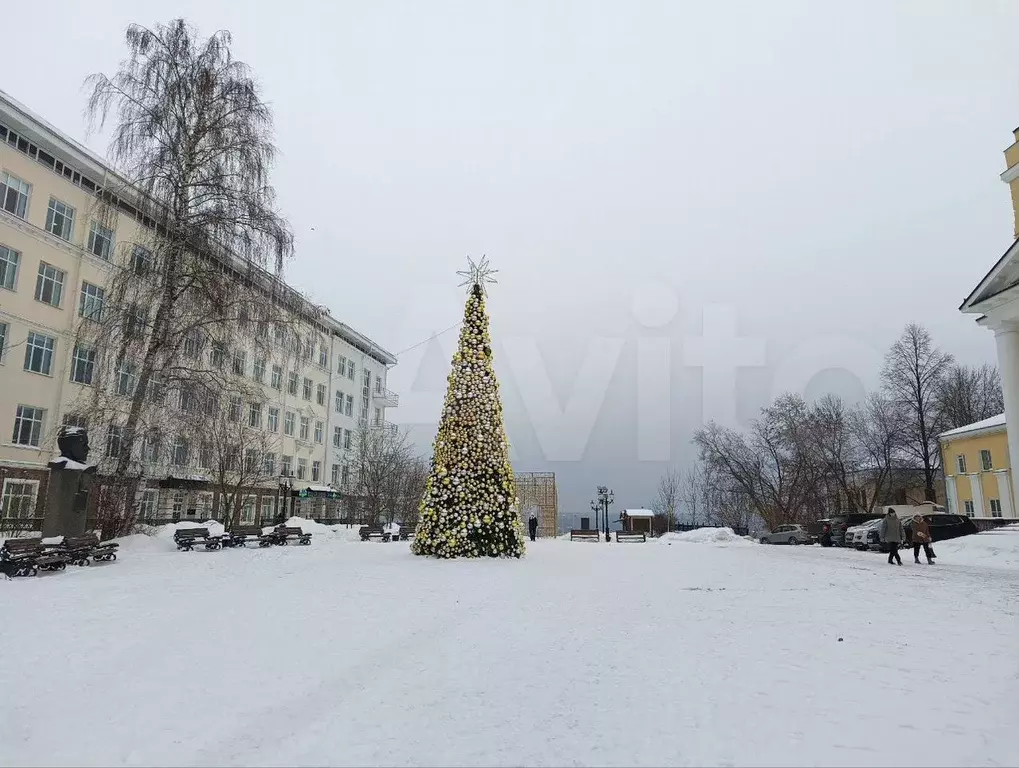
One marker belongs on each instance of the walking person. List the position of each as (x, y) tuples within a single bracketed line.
[(892, 534), (922, 537), (532, 524)]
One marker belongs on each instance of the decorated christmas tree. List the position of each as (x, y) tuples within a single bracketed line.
[(469, 507)]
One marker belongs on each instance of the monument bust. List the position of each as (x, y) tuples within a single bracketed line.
[(73, 444)]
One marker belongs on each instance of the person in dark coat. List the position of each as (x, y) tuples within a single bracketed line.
[(892, 534), (532, 525), (922, 537)]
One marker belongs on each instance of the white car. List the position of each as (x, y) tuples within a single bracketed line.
[(788, 534), (864, 536)]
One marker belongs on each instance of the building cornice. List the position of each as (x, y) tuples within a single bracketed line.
[(1011, 174), (982, 432), (977, 301)]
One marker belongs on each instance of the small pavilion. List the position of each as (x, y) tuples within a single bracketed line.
[(636, 520)]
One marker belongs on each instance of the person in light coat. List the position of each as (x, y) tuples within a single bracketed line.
[(892, 534)]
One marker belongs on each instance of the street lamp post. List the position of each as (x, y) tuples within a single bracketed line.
[(596, 508), (286, 485), (605, 498)]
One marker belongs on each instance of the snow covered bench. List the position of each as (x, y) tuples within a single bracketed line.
[(26, 557), (187, 538), (630, 536), (373, 532), (284, 533), (81, 548), (404, 533), (584, 534), (242, 534)]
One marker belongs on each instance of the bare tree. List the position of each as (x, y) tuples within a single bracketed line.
[(770, 468), (380, 459), (833, 449), (695, 494), (668, 497), (878, 429), (240, 454), (409, 491), (199, 279), (913, 375), (969, 394)]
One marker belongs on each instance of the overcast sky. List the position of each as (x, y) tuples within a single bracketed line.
[(793, 180)]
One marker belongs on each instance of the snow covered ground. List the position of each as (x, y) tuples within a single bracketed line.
[(677, 652)]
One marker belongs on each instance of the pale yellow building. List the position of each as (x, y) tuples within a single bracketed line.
[(58, 248), (978, 473)]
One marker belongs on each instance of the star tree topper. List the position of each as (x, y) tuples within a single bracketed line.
[(479, 273)]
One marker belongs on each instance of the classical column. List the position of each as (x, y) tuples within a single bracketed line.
[(1003, 476), (952, 495), (1006, 339)]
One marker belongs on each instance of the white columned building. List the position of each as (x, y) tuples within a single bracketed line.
[(996, 301)]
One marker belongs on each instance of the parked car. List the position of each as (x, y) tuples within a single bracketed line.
[(943, 526), (788, 534), (838, 525), (866, 536)]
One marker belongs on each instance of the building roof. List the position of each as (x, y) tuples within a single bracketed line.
[(994, 423), (33, 128), (1002, 276), (638, 513)]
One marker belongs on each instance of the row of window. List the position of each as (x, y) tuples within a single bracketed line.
[(970, 509), (29, 421), (15, 196), (49, 284), (345, 367), (985, 462), (18, 499)]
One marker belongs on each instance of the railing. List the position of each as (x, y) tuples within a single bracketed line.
[(386, 397), (739, 530)]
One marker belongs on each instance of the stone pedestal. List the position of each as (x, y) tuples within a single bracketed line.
[(66, 501)]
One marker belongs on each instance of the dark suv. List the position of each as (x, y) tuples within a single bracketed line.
[(943, 526)]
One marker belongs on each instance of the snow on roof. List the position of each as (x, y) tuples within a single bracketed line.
[(320, 488), (991, 423), (638, 513)]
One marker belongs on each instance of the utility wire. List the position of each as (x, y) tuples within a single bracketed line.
[(433, 336)]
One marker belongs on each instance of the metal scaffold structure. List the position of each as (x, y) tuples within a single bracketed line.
[(537, 490)]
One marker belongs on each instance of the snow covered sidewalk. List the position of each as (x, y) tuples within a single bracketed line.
[(681, 653)]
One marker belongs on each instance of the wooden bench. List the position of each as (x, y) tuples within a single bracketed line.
[(243, 534), (630, 536), (80, 548), (283, 534), (26, 557), (372, 532), (585, 534), (187, 538), (406, 533)]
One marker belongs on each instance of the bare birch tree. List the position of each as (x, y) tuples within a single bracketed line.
[(200, 279)]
